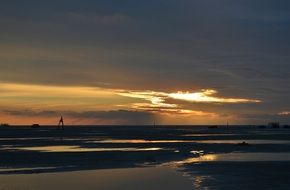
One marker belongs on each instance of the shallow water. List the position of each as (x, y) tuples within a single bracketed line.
[(25, 169), (239, 157), (239, 175), (155, 178), (77, 149), (89, 158), (247, 141), (142, 141), (210, 135)]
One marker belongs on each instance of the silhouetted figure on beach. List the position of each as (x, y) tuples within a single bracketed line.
[(61, 123)]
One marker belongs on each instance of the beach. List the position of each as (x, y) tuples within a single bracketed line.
[(144, 157)]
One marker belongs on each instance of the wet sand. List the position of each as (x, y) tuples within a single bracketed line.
[(183, 156)]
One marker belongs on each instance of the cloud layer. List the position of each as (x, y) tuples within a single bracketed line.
[(238, 48)]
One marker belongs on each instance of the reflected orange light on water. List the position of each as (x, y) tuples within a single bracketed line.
[(202, 158), (68, 148)]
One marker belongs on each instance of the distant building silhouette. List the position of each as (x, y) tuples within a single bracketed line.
[(61, 123), (4, 125), (213, 127), (274, 125), (35, 126)]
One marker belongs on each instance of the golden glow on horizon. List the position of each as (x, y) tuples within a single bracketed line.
[(171, 111), (156, 98), (42, 90), (81, 98), (39, 97)]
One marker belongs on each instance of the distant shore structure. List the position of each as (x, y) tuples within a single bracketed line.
[(213, 127), (61, 123), (4, 125), (274, 124), (36, 125)]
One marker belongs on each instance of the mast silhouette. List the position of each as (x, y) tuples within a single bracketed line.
[(61, 123)]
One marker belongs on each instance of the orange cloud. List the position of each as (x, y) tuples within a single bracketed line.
[(284, 113), (207, 97), (158, 99), (79, 98)]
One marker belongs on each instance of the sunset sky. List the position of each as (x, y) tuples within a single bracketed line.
[(140, 61)]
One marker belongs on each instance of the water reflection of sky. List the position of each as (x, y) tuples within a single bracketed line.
[(77, 149), (142, 141), (25, 169), (238, 157), (138, 149), (210, 135), (152, 178), (240, 141)]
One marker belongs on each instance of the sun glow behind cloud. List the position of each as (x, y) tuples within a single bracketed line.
[(207, 97), (158, 99), (156, 102), (161, 102), (40, 98)]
